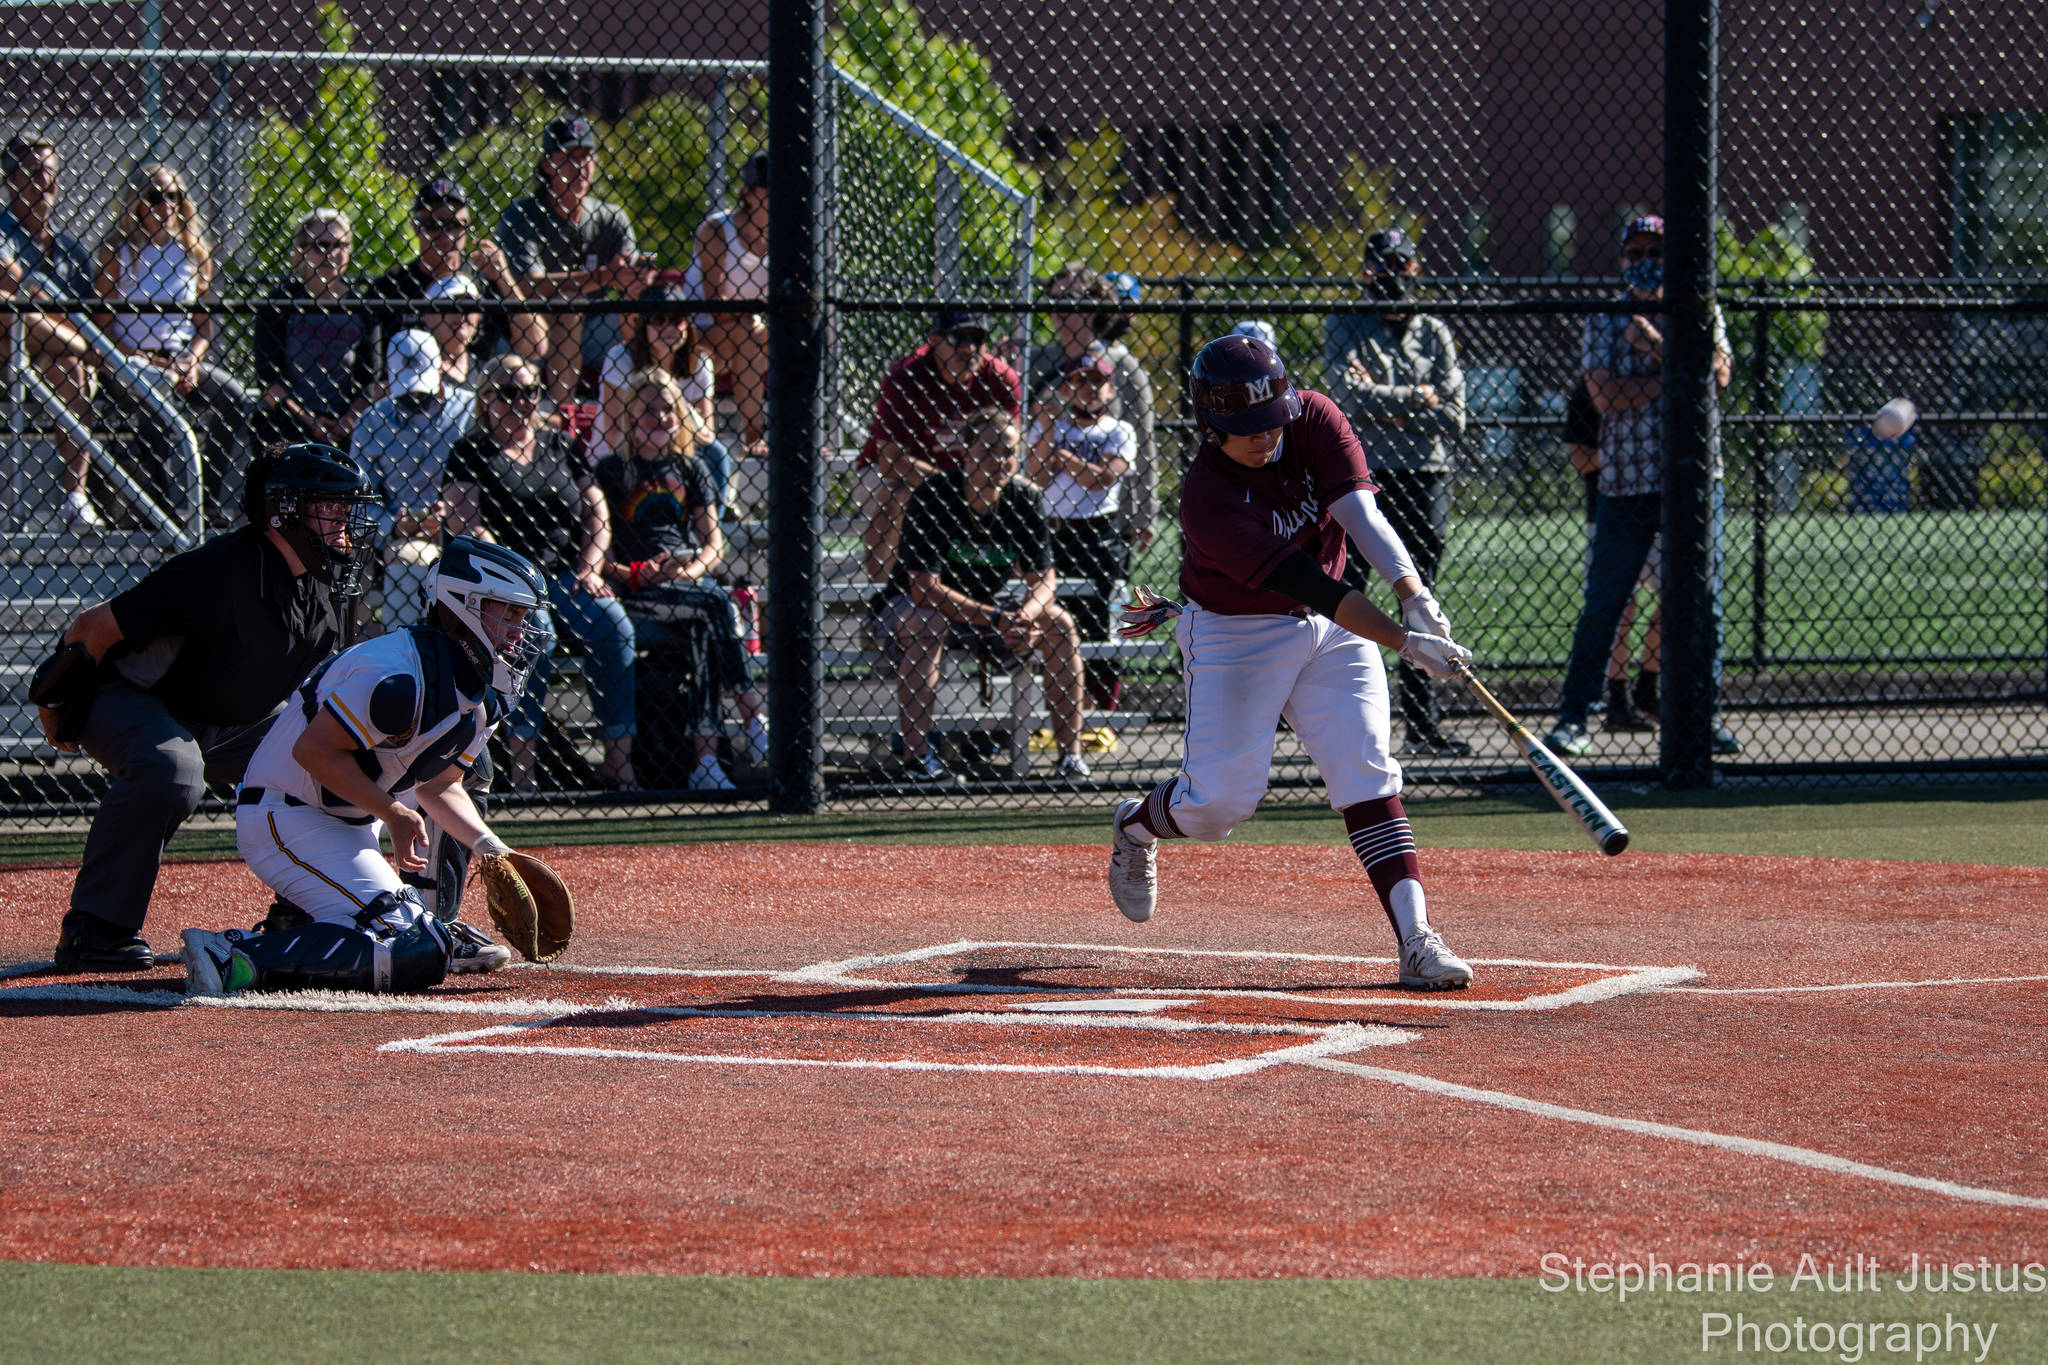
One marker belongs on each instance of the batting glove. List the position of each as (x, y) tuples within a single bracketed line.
[(1434, 655), (1424, 613)]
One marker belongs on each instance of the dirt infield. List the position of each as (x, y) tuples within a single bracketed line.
[(810, 1059)]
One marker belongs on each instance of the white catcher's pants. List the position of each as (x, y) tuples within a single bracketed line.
[(326, 867), (1242, 674)]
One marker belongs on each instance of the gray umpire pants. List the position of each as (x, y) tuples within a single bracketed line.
[(159, 767)]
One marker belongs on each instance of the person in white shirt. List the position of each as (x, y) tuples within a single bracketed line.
[(158, 252), (1080, 456)]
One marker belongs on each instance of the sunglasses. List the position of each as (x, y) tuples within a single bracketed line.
[(442, 227), (965, 340), (323, 246), (1643, 253), (157, 194), (518, 393)]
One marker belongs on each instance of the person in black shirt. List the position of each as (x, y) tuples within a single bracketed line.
[(440, 215), (665, 544), (315, 372), (965, 532), (173, 683), (521, 484)]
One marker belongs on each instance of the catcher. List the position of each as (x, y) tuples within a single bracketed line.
[(382, 736)]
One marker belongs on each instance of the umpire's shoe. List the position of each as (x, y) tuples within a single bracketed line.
[(88, 943), (1427, 964)]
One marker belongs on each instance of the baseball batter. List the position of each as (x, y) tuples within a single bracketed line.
[(1269, 630), (380, 737)]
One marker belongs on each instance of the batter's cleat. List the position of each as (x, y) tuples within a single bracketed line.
[(1073, 768), (1568, 737), (1428, 965), (469, 951), (212, 966), (1133, 867), (87, 943)]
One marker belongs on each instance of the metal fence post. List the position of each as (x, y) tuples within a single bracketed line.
[(946, 230), (1763, 469), (1691, 625), (797, 73)]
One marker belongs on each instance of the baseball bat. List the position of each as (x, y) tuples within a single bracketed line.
[(1572, 795)]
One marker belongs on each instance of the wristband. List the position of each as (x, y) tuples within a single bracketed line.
[(488, 845)]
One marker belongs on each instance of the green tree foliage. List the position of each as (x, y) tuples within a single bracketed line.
[(888, 194), (335, 161)]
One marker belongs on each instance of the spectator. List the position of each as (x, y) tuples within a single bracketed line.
[(665, 544), (50, 264), (441, 218), (567, 245), (918, 414), (730, 261), (455, 333), (1623, 362), (157, 251), (670, 342), (1259, 330), (967, 530), (522, 484), (1395, 374), (1080, 456), (315, 372), (1582, 448), (403, 442), (1074, 331)]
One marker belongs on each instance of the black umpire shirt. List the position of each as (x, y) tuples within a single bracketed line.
[(245, 630)]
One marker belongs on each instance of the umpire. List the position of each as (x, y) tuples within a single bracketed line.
[(1395, 373), (172, 684)]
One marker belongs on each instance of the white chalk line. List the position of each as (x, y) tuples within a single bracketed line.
[(314, 1002), (1852, 986), (1323, 1043), (1754, 1147), (1625, 981)]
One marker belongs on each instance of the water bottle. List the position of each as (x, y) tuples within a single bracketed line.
[(748, 606)]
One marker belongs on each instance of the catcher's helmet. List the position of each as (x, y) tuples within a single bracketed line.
[(472, 573), (1239, 385), (285, 485)]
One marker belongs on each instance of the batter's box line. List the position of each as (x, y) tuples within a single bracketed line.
[(1626, 981), (1323, 1043)]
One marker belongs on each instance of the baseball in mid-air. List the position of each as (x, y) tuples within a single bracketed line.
[(1894, 419)]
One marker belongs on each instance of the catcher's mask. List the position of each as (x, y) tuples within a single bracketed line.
[(493, 608), (325, 507)]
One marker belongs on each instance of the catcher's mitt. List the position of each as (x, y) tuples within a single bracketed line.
[(529, 904)]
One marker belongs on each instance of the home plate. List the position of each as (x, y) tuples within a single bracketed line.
[(1112, 1005)]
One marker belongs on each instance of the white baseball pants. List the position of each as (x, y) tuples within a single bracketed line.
[(326, 867), (1242, 674)]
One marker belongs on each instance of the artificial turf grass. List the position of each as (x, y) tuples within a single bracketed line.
[(1996, 824), (173, 1314)]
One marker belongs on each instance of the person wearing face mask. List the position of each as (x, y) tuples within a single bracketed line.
[(1395, 374), (404, 440), (1623, 361)]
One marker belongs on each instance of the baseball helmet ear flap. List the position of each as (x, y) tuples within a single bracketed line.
[(1239, 387)]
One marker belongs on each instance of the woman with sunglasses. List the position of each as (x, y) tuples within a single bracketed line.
[(665, 545), (669, 342), (521, 483), (158, 252), (316, 372)]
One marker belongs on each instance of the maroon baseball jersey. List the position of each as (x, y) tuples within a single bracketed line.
[(1237, 523), (922, 413)]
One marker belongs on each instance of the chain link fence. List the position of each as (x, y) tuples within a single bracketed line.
[(571, 283)]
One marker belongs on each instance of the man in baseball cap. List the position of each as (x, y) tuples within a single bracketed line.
[(1622, 358), (441, 219), (567, 245)]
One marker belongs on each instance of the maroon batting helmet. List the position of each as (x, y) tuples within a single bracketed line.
[(1239, 385)]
